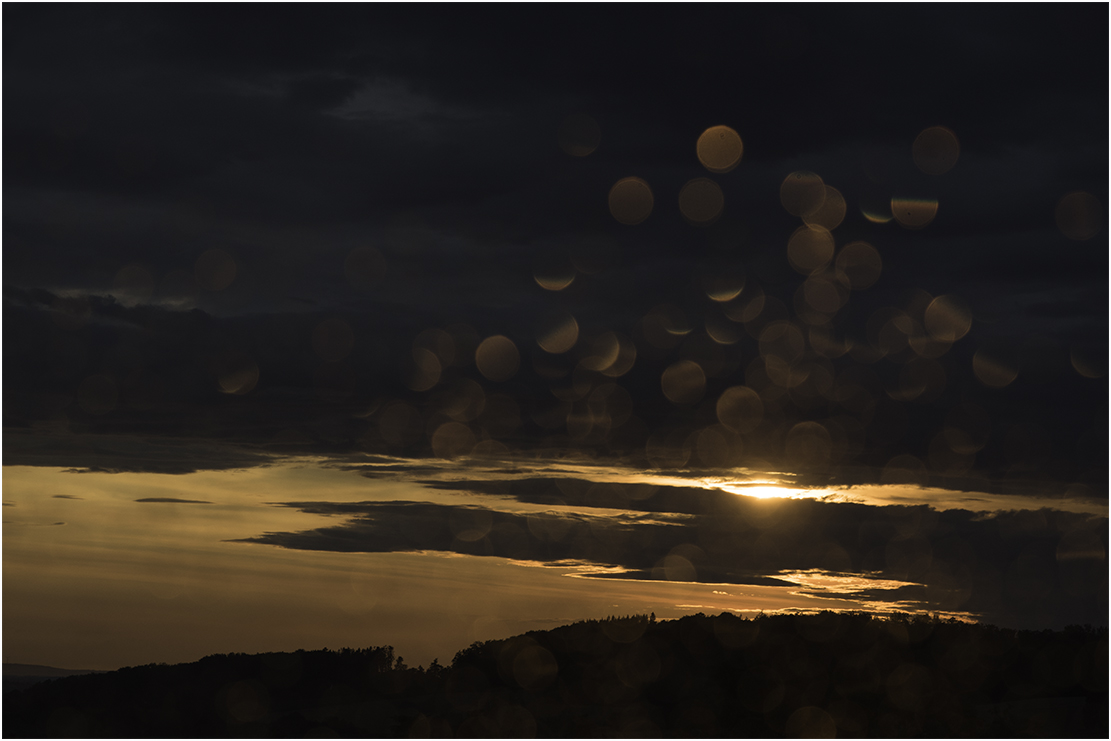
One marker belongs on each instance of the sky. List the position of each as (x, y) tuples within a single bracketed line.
[(416, 293)]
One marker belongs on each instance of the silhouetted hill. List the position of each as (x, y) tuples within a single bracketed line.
[(784, 675)]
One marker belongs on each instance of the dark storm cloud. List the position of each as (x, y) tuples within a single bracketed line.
[(1022, 568), (137, 139)]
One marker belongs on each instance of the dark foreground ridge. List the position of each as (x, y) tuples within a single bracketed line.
[(785, 675)]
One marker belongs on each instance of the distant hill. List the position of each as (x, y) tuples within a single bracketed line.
[(21, 676), (784, 675)]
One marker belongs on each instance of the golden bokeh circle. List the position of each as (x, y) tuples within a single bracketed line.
[(701, 201), (497, 358), (860, 264), (802, 193), (810, 249), (831, 213), (936, 150), (914, 213), (948, 318), (719, 149), (631, 201), (557, 333), (215, 270), (740, 409), (1079, 215), (579, 135), (683, 382)]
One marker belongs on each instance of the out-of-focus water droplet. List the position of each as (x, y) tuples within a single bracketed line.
[(497, 358), (719, 149), (631, 200), (802, 193), (557, 332), (1079, 215), (579, 135), (831, 213), (860, 263), (701, 201), (810, 249), (683, 382), (936, 150), (948, 318), (215, 270), (914, 213)]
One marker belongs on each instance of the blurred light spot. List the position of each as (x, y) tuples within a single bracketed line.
[(534, 668), (579, 135), (860, 264), (500, 415), (747, 307), (740, 409), (809, 445), (215, 270), (993, 370), (721, 330), (1087, 363), (439, 343), (825, 344), (626, 355), (712, 447), (630, 200), (1079, 215), (914, 213), (810, 249), (967, 428), (97, 394), (425, 372), (876, 217), (332, 340), (497, 358), (822, 295), (470, 524), (594, 253), (466, 340), (490, 449), (948, 318), (364, 267), (782, 339), (802, 193), (668, 451), (452, 439), (719, 149), (236, 373), (920, 380), (831, 213), (723, 283), (335, 383), (876, 208), (603, 352), (943, 458), (683, 382), (664, 325), (936, 150), (178, 286), (674, 567), (400, 424), (133, 285), (701, 201), (463, 400), (905, 469), (553, 271), (811, 722), (557, 332)]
